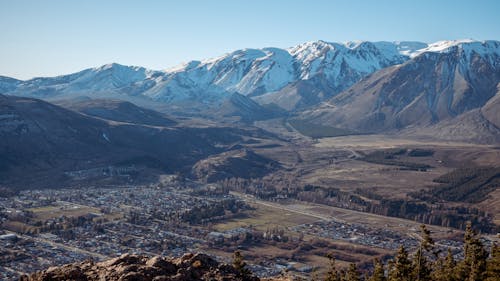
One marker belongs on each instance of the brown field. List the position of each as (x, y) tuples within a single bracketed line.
[(70, 210), (17, 226), (271, 214), (264, 217)]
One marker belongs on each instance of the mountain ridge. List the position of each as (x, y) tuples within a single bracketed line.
[(250, 72), (428, 89), (361, 86)]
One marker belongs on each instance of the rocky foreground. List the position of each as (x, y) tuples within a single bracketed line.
[(139, 268)]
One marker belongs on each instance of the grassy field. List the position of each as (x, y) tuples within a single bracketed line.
[(70, 210), (264, 217)]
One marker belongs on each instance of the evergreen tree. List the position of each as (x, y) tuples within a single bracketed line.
[(378, 272), (352, 273), (420, 267), (449, 268), (438, 270), (463, 269), (450, 262), (332, 274), (493, 265), (427, 242), (421, 270), (402, 268), (473, 266)]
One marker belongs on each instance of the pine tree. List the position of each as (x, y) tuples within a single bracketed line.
[(493, 265), (332, 274), (427, 242), (352, 273), (463, 269), (443, 268), (421, 270), (401, 269), (378, 271), (438, 270), (473, 266), (449, 268)]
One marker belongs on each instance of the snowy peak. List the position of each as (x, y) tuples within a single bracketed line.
[(119, 68), (446, 80), (247, 71), (330, 67), (467, 55), (111, 76), (445, 45), (253, 72), (312, 49), (343, 64), (488, 47), (407, 48)]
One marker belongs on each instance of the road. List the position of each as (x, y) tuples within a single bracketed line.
[(249, 198), (389, 220)]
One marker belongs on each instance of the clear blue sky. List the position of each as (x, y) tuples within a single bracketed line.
[(47, 38)]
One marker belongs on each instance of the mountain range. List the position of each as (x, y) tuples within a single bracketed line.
[(249, 72), (457, 84), (364, 87)]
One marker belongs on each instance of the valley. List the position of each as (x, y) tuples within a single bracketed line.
[(286, 155), (321, 195), (64, 225)]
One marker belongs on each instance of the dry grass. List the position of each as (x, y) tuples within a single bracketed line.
[(264, 217), (49, 212), (372, 220), (17, 226), (385, 141)]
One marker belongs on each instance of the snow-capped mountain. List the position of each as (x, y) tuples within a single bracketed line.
[(250, 72), (107, 78), (292, 78), (253, 72), (455, 81)]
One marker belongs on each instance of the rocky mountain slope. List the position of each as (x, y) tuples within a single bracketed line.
[(440, 84), (141, 268)]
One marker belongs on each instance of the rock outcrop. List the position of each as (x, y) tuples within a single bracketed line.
[(141, 268)]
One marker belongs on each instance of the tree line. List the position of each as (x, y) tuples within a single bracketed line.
[(436, 213), (428, 264)]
